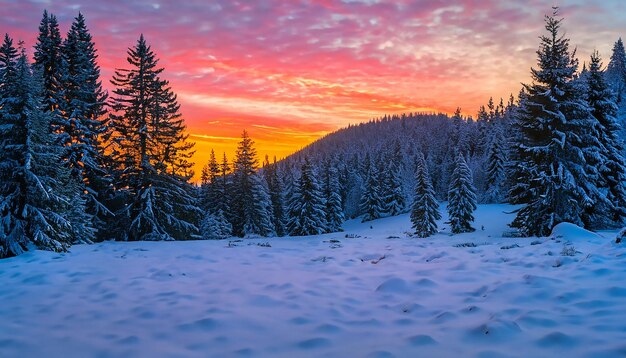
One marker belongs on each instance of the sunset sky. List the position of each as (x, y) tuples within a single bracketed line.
[(291, 71)]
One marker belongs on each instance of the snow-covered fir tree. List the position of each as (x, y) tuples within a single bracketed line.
[(36, 206), (331, 192), (52, 66), (495, 171), (393, 193), (556, 181), (277, 196), (149, 140), (82, 107), (250, 204), (372, 205), (210, 185), (215, 226), (223, 187), (615, 73), (13, 239), (306, 205), (612, 180), (459, 133), (425, 210), (353, 187), (49, 59), (261, 221), (461, 198)]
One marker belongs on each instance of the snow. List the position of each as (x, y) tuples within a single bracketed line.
[(375, 293)]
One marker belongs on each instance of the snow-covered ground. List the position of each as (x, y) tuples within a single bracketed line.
[(372, 293)]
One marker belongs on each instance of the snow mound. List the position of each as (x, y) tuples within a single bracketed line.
[(569, 231)]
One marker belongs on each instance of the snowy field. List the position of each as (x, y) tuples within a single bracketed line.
[(372, 293)]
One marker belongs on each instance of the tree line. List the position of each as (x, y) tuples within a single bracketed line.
[(80, 165)]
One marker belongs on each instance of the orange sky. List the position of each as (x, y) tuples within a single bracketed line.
[(291, 71)]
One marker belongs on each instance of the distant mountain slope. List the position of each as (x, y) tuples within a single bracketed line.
[(380, 144)]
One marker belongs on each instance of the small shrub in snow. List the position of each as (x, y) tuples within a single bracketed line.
[(508, 247), (536, 242), (511, 233), (568, 251), (322, 259), (466, 244)]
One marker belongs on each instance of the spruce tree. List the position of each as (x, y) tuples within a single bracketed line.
[(425, 211), (223, 187), (371, 203), (159, 204), (555, 182), (616, 71), (331, 191), (215, 226), (251, 203), (306, 206), (82, 107), (13, 239), (260, 222), (461, 198), (8, 67), (496, 171), (275, 185), (612, 181), (34, 203), (49, 60), (393, 193), (210, 183)]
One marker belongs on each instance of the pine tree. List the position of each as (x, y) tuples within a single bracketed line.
[(148, 138), (331, 191), (82, 107), (251, 204), (555, 182), (306, 206), (610, 212), (34, 207), (461, 198), (425, 211), (496, 171)]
